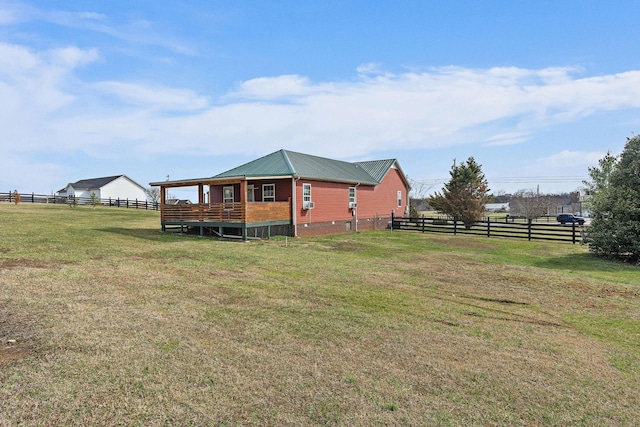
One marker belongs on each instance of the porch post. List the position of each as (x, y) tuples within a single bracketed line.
[(243, 206), (200, 193), (163, 190), (294, 209), (200, 203)]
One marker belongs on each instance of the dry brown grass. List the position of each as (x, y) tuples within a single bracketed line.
[(117, 324)]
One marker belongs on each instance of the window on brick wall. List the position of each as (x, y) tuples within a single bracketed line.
[(306, 196)]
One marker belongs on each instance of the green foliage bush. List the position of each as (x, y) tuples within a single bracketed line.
[(615, 205)]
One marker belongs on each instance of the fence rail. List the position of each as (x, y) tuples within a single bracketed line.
[(73, 201), (571, 233)]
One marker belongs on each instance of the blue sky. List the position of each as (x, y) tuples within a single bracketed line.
[(535, 91)]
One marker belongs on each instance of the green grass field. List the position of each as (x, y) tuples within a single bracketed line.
[(116, 323)]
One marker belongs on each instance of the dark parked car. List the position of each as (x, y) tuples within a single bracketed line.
[(569, 218)]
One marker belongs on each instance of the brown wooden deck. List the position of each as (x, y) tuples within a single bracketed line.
[(249, 212)]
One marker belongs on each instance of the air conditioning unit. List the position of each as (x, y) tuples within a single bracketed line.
[(308, 205), (353, 205)]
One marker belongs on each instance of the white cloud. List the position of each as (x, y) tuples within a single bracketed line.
[(34, 85), (509, 138), (272, 88), (371, 68), (154, 96), (12, 13), (568, 158)]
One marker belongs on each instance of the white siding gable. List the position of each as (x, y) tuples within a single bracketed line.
[(122, 188)]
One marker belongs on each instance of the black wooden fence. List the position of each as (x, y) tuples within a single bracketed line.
[(522, 230), (75, 201)]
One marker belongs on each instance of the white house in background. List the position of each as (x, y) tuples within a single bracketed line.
[(496, 207), (111, 187)]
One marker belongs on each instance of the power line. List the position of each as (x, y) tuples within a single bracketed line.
[(514, 180)]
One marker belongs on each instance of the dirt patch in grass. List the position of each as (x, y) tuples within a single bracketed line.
[(17, 336), (465, 243), (8, 264), (620, 293)]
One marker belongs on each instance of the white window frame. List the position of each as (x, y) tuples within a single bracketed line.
[(226, 199), (251, 195), (306, 194), (265, 191), (399, 198), (352, 195)]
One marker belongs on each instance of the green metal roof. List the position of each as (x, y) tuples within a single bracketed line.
[(290, 163), (377, 168), (274, 164)]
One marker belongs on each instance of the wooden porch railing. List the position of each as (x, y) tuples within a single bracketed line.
[(227, 212)]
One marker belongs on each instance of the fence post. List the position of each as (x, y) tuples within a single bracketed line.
[(392, 219), (423, 223), (455, 226), (529, 230), (573, 232), (33, 197), (489, 228)]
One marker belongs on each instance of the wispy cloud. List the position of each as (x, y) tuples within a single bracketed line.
[(135, 31), (510, 138), (569, 158), (153, 96), (34, 85)]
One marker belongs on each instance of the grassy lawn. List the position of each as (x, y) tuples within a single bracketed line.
[(117, 323)]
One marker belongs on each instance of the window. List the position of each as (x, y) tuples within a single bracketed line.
[(352, 197), (251, 193), (227, 197), (399, 198), (306, 193), (269, 193)]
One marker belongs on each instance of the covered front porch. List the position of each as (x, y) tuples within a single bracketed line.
[(226, 208)]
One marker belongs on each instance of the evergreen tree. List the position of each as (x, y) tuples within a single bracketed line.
[(465, 195), (600, 177), (615, 206)]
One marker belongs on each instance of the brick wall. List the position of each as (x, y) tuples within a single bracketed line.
[(348, 226)]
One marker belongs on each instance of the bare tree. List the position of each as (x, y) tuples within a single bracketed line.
[(419, 189), (528, 203), (153, 194), (418, 194)]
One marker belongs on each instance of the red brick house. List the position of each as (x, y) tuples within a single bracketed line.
[(294, 194)]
